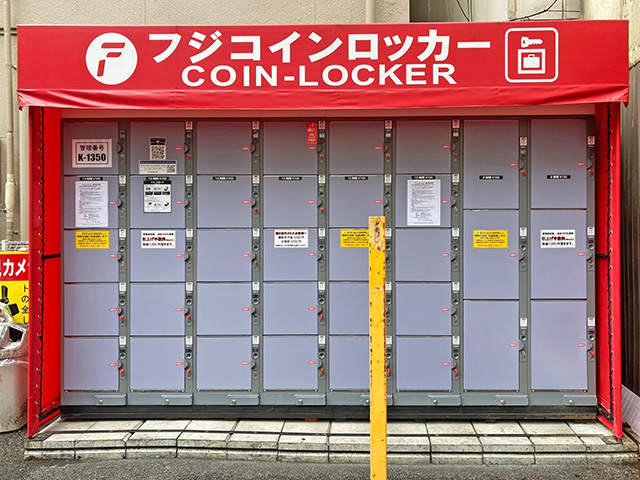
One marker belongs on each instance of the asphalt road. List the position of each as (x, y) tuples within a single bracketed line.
[(12, 466)]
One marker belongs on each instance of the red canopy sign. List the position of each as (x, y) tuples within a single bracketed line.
[(376, 66)]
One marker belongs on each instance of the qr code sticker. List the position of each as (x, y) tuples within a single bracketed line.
[(157, 148)]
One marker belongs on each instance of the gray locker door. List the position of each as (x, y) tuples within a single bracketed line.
[(349, 308), (423, 255), (157, 309), (558, 163), (106, 131), (290, 201), (423, 308), (347, 263), (491, 163), (423, 363), (223, 363), (290, 363), (224, 309), (490, 273), (224, 201), (151, 219), (224, 256), (91, 309), (289, 264), (169, 133), (290, 308), (559, 269), (490, 343), (423, 147), (157, 363), (558, 345), (286, 149), (90, 264), (402, 199), (349, 363), (90, 364), (353, 199), (223, 148), (356, 147), (157, 264), (70, 220)]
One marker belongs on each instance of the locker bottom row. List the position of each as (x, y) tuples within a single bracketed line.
[(556, 348)]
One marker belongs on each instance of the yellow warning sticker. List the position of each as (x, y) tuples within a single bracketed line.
[(92, 239), (490, 238), (354, 238)]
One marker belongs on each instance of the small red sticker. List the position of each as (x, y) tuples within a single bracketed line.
[(311, 254), (113, 203), (513, 344), (582, 344), (377, 148), (446, 146), (312, 148), (312, 309), (311, 202), (513, 164), (179, 364), (178, 148), (378, 202), (179, 309), (312, 362), (445, 201), (581, 254), (180, 255), (444, 254), (113, 364), (446, 364), (513, 254), (246, 363), (179, 202), (246, 149), (445, 309), (582, 164), (246, 202), (246, 255), (113, 255), (113, 309), (246, 309)]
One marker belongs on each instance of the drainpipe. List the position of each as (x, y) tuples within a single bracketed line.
[(10, 185), (369, 11)]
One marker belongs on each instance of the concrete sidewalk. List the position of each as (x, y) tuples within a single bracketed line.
[(417, 443)]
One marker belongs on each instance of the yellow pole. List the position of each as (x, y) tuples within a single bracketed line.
[(377, 348)]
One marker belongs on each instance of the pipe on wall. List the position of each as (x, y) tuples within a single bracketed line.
[(369, 11), (10, 185)]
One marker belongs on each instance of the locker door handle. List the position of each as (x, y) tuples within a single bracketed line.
[(186, 148)]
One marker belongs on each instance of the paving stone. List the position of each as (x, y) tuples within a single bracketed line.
[(151, 452), (252, 455), (508, 459), (610, 444), (499, 428), (406, 428), (49, 454), (408, 458), (253, 441), (456, 458), (115, 425), (153, 439), (59, 441), (594, 444), (561, 458), (297, 426), (205, 453), (408, 444), (546, 428), (100, 454), (450, 428), (303, 457), (99, 440), (506, 445), (337, 457), (350, 428), (614, 458), (211, 425), (590, 428), (343, 443), (259, 426), (455, 444), (203, 440), (68, 426), (159, 425), (313, 443), (557, 444)]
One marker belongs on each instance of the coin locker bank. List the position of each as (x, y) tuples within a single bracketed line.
[(200, 202)]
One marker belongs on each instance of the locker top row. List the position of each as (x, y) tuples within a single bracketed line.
[(354, 147)]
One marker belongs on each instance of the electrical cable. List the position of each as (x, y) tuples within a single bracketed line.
[(526, 17), (463, 13)]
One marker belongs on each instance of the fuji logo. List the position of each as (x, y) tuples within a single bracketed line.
[(111, 58)]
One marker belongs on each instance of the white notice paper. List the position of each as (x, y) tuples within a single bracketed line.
[(291, 238), (158, 239), (157, 196), (91, 204), (557, 239), (423, 202)]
